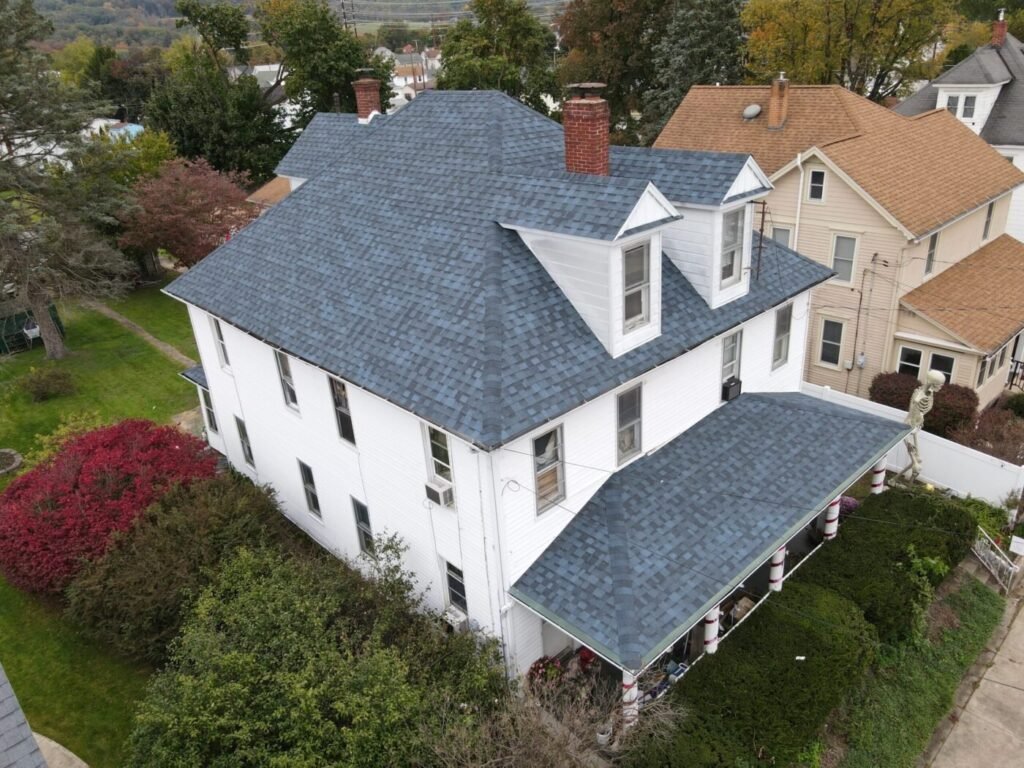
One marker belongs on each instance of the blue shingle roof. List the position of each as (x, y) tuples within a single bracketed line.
[(674, 532), (391, 270), (196, 375), (18, 748)]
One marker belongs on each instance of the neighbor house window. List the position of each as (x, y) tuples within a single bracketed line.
[(816, 186), (910, 361), (982, 366), (831, 342), (284, 371), (988, 221), (636, 300), (211, 418), (968, 110), (943, 364), (733, 226), (992, 366), (843, 250), (312, 500), (929, 262), (731, 351), (243, 438), (781, 235), (440, 457), (783, 325), (363, 529), (222, 348), (549, 469), (341, 412), (952, 103), (456, 587), (1002, 356), (629, 424)]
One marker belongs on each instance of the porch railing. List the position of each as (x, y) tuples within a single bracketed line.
[(995, 560)]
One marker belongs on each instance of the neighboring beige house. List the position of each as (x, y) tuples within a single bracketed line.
[(890, 203)]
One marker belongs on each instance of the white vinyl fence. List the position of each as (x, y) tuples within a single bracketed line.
[(963, 470)]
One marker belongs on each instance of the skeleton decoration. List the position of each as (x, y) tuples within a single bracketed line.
[(920, 403)]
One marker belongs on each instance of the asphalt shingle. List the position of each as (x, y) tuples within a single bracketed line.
[(673, 533), (18, 748)]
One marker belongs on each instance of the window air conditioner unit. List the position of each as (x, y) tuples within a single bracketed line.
[(456, 619), (731, 388), (440, 492)]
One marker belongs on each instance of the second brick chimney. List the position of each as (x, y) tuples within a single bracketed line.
[(585, 118), (778, 102), (367, 96), (999, 30)]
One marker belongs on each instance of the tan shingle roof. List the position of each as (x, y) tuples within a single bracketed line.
[(925, 171), (271, 193), (980, 299)]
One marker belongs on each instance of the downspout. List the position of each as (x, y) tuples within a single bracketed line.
[(856, 326), (871, 293), (504, 606), (799, 203), (483, 534)]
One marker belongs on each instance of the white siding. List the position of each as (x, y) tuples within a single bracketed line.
[(689, 244), (985, 99), (1015, 219)]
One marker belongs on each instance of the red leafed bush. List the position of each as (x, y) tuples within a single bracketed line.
[(62, 514), (955, 405)]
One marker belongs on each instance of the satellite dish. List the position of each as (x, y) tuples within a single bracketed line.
[(752, 111)]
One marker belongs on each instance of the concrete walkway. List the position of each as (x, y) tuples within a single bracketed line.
[(986, 726), (57, 756), (162, 346)]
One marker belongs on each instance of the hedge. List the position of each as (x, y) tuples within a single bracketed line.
[(954, 405)]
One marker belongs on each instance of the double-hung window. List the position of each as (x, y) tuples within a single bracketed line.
[(732, 348), (309, 487), (363, 529), (943, 364), (933, 244), (342, 414), (243, 438), (284, 372), (982, 367), (968, 110), (831, 342), (988, 221), (952, 104), (211, 418), (783, 325), (816, 186), (910, 362), (843, 250), (440, 456), (1002, 356), (549, 469), (992, 366), (222, 348), (636, 302), (733, 227), (628, 440), (456, 587)]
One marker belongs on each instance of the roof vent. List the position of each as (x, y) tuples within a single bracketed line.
[(751, 111)]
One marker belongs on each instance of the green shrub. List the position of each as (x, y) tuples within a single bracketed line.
[(133, 598), (771, 685), (883, 551), (47, 383), (1015, 403), (992, 519)]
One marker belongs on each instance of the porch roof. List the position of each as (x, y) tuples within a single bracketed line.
[(676, 531)]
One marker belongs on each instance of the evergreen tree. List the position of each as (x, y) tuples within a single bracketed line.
[(702, 44)]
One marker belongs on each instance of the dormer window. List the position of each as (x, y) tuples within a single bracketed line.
[(637, 287), (732, 246), (968, 111), (952, 104)]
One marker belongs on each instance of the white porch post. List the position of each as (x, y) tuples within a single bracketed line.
[(832, 518), (630, 699), (711, 630), (878, 477), (778, 569)]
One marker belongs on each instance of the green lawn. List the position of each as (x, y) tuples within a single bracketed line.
[(164, 317), (71, 689), (116, 374)]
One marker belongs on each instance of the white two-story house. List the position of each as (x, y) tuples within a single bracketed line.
[(569, 383)]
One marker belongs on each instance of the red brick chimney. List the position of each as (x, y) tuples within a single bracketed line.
[(585, 118), (778, 102), (999, 30), (367, 96)]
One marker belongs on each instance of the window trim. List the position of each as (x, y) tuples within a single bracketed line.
[(987, 230), (220, 344), (953, 100), (363, 529), (737, 249), (458, 575), (776, 337), (900, 362), (929, 259), (342, 413), (810, 185), (737, 364), (287, 379), (983, 366), (952, 367), (821, 343), (309, 489), (643, 288), (431, 459), (636, 424), (1002, 356), (963, 106), (558, 464), (206, 400), (853, 260), (246, 443)]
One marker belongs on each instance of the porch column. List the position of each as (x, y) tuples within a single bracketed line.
[(777, 570), (832, 518), (630, 699), (878, 477), (711, 630)]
